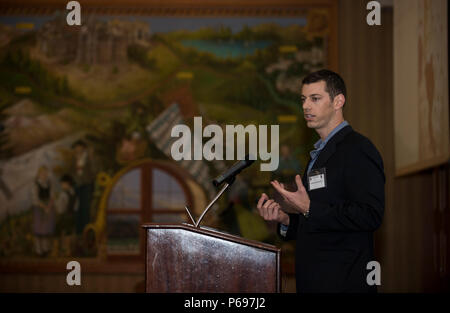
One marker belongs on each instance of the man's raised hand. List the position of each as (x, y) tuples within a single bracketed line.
[(299, 199), (271, 210)]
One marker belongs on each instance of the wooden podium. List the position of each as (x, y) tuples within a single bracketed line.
[(184, 258)]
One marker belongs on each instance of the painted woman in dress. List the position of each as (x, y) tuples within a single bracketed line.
[(43, 213)]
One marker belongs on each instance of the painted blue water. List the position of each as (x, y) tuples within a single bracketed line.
[(227, 49)]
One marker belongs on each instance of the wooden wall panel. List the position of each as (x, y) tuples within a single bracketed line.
[(365, 62), (421, 85), (412, 243)]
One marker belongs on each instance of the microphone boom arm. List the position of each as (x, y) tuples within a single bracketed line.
[(219, 194)]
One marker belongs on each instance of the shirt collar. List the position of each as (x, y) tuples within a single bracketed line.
[(321, 143)]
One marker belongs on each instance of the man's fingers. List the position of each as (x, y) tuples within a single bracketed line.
[(299, 183), (260, 206), (274, 211), (261, 201), (278, 187), (268, 210), (267, 204), (264, 211)]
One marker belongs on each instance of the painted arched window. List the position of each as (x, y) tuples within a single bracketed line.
[(146, 192)]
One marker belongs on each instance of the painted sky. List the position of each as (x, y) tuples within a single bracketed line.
[(160, 24)]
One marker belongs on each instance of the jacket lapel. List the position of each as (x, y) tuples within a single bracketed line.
[(330, 147)]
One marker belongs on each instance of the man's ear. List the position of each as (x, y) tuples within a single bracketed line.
[(339, 101)]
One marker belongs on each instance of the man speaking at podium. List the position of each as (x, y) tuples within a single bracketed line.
[(340, 200)]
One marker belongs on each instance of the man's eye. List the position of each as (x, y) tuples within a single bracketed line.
[(315, 99)]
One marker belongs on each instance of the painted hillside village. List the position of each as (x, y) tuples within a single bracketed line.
[(86, 114)]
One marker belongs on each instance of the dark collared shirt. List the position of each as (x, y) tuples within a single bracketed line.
[(320, 144)]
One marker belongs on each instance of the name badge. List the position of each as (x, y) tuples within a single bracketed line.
[(317, 179)]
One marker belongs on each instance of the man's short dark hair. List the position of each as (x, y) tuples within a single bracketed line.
[(334, 83)]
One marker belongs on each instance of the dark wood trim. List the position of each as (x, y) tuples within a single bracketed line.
[(170, 7), (124, 257), (87, 266), (123, 211), (168, 211), (422, 165)]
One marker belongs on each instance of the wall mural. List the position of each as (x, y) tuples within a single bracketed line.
[(80, 104)]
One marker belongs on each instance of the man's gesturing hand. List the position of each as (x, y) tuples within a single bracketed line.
[(271, 210), (299, 200)]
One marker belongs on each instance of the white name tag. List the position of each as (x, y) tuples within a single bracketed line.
[(317, 179)]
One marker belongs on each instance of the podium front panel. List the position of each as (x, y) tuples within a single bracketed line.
[(186, 259)]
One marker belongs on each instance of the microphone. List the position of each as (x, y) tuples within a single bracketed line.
[(232, 171)]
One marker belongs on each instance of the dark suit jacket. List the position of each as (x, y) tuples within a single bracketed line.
[(335, 243)]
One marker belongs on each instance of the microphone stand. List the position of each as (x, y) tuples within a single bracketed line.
[(228, 183)]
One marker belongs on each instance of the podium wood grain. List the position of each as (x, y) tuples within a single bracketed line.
[(182, 258)]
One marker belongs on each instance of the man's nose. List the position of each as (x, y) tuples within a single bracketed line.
[(306, 105)]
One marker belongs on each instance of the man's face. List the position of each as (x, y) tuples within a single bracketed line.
[(317, 105)]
